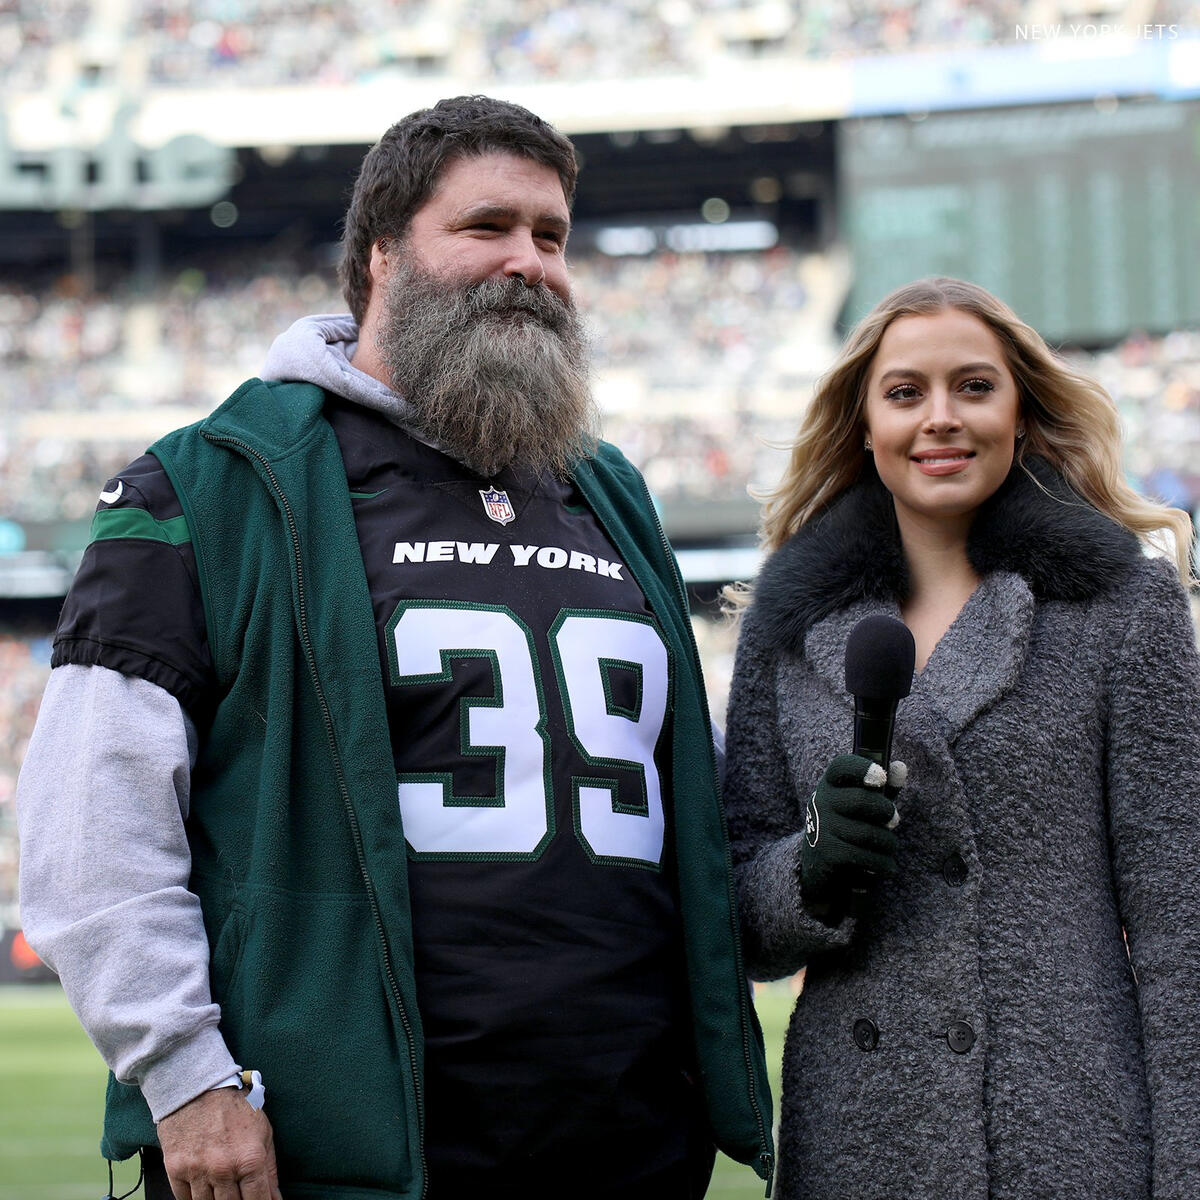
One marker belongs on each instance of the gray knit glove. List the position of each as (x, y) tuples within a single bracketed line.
[(848, 843)]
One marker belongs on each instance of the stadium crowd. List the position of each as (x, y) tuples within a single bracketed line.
[(24, 666), (30, 36), (701, 360), (262, 43), (691, 344)]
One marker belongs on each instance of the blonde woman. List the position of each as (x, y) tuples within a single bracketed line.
[(973, 1024)]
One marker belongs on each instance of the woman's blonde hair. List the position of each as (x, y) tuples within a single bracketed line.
[(1069, 419)]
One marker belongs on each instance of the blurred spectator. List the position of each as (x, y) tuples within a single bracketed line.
[(1155, 382), (29, 32)]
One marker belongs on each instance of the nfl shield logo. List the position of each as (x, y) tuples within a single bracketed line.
[(496, 505)]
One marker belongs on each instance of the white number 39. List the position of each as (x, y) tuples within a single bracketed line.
[(588, 648)]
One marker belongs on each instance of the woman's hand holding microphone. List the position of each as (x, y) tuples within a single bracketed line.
[(849, 843)]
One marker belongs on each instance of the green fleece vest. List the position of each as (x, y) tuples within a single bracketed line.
[(298, 854)]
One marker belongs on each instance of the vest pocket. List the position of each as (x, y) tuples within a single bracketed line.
[(303, 1001)]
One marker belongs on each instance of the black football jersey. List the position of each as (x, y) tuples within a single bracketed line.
[(528, 694), (529, 704)]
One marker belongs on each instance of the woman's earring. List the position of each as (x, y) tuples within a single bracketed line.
[(867, 443), (1020, 432)]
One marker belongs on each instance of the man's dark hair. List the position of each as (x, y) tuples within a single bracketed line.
[(401, 171)]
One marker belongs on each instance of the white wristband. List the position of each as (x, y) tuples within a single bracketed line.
[(256, 1094)]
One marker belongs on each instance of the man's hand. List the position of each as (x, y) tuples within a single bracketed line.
[(848, 841), (216, 1147)]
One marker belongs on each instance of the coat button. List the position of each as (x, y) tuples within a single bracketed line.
[(960, 1036), (954, 870), (866, 1034)]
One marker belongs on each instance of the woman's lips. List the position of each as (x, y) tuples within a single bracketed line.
[(942, 462)]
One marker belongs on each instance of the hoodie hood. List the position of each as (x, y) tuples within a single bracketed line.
[(318, 350)]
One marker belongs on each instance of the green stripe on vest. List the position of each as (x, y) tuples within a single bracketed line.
[(138, 523)]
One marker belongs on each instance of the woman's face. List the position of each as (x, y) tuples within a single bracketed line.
[(942, 414)]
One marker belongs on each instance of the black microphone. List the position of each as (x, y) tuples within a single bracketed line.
[(880, 657)]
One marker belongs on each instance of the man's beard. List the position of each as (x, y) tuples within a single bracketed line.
[(495, 372)]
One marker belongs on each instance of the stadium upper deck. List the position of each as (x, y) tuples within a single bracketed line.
[(269, 42), (70, 48)]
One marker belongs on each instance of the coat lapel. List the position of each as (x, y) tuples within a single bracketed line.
[(977, 661), (980, 656), (825, 642)]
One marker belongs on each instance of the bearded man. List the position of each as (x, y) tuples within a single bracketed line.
[(375, 767)]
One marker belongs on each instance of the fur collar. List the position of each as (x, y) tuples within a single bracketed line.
[(1034, 525)]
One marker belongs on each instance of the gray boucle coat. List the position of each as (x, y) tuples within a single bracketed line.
[(1053, 747)]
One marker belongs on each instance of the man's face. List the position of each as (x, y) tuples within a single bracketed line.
[(476, 326), (495, 216)]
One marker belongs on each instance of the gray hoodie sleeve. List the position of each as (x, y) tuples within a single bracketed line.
[(101, 804)]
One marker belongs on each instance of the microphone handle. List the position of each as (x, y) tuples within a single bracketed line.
[(873, 722)]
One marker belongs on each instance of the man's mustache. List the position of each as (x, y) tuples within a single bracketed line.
[(505, 296)]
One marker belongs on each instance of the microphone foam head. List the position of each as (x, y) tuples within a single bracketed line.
[(880, 656)]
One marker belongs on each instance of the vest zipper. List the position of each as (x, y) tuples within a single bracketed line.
[(356, 835), (765, 1161)]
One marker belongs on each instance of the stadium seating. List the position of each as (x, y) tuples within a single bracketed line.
[(263, 43), (703, 363)]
